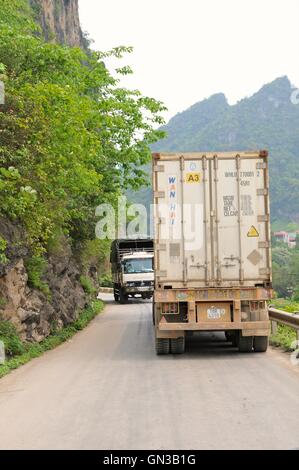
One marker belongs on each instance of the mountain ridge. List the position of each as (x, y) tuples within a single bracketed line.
[(266, 120)]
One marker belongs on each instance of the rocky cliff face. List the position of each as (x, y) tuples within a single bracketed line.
[(60, 20), (33, 313)]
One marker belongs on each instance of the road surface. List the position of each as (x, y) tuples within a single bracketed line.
[(106, 389)]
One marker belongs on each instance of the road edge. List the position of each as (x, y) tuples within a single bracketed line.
[(54, 340)]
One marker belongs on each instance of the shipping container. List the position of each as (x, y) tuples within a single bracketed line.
[(212, 247)]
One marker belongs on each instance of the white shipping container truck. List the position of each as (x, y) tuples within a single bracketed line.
[(212, 248)]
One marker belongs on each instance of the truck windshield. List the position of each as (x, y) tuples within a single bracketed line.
[(138, 266)]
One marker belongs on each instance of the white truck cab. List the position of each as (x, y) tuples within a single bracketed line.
[(132, 269)]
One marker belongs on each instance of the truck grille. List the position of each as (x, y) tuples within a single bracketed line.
[(142, 284)]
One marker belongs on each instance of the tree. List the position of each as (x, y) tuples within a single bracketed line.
[(71, 137)]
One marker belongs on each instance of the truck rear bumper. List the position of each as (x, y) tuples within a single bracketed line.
[(252, 328)]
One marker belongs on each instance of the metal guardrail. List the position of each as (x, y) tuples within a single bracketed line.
[(283, 318)]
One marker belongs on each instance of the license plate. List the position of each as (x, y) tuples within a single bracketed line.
[(215, 313)]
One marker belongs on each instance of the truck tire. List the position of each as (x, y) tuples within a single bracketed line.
[(245, 343), (162, 346), (116, 294), (232, 337), (177, 345), (123, 298), (154, 316), (260, 343)]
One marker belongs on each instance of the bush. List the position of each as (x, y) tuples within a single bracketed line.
[(106, 280), (284, 337), (287, 305), (87, 285), (36, 267), (3, 246), (9, 336)]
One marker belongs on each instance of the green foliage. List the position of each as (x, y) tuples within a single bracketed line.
[(16, 15), (93, 253), (88, 285), (106, 280), (36, 267), (285, 264), (284, 225), (284, 337), (296, 294), (88, 314), (32, 350), (9, 336), (3, 246), (71, 138), (287, 305)]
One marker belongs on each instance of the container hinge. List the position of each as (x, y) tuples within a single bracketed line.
[(161, 273), (162, 220), (264, 271), (262, 218), (198, 266), (261, 166), (160, 246), (262, 192), (264, 245), (182, 162), (159, 168), (204, 162), (159, 194)]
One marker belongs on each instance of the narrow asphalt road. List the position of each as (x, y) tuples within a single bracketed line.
[(106, 389)]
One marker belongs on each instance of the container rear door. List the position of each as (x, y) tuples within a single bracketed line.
[(183, 243), (241, 220)]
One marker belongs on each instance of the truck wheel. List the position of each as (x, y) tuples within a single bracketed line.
[(245, 343), (162, 346), (232, 337), (177, 345), (260, 343), (116, 295), (123, 298)]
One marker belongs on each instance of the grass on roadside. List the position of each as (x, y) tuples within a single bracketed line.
[(285, 336), (28, 351)]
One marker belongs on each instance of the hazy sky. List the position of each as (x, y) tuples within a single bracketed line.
[(186, 50)]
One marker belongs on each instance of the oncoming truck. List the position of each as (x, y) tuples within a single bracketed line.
[(212, 248), (132, 268)]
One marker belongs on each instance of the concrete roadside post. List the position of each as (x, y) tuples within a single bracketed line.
[(2, 353)]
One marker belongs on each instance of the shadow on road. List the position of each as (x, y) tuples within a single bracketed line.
[(209, 344), (137, 341)]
